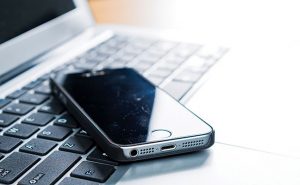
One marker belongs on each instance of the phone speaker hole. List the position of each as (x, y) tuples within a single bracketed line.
[(193, 143), (145, 151)]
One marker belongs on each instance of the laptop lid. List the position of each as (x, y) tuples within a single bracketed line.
[(29, 29)]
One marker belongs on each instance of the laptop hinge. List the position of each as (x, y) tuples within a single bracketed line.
[(48, 61)]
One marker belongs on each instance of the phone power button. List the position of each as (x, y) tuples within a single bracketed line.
[(161, 133)]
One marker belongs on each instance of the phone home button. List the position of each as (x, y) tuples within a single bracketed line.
[(161, 133)]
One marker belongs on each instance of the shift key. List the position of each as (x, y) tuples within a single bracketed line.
[(51, 169)]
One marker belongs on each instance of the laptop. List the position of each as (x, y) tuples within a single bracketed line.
[(40, 142)]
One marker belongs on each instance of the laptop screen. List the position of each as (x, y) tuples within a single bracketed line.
[(21, 16), (17, 17)]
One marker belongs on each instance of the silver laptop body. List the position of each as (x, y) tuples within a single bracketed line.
[(66, 38)]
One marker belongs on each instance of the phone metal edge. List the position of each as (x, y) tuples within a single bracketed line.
[(124, 151), (181, 145)]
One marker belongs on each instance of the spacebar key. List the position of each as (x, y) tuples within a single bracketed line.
[(51, 169)]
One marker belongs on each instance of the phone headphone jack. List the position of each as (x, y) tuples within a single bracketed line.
[(133, 153)]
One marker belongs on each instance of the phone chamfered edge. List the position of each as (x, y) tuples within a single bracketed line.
[(156, 146), (121, 152)]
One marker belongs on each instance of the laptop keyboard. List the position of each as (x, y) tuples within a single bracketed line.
[(40, 141)]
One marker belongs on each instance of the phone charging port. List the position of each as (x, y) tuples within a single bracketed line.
[(168, 147)]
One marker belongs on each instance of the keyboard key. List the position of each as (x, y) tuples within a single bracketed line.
[(188, 76), (4, 102), (131, 49), (177, 89), (45, 77), (66, 120), (51, 169), (35, 99), (149, 58), (155, 79), (53, 107), (185, 50), (60, 68), (154, 54), (38, 146), (142, 43), (16, 94), (98, 155), (141, 67), (82, 133), (18, 108), (126, 57), (173, 59), (40, 119), (93, 171), (7, 119), (85, 65), (97, 57), (55, 133), (195, 62), (21, 131), (43, 89), (164, 45), (32, 84), (7, 144), (75, 181), (77, 144), (161, 72), (210, 51), (169, 65), (115, 65), (106, 50), (16, 165)]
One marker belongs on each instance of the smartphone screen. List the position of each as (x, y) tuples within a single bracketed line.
[(128, 108)]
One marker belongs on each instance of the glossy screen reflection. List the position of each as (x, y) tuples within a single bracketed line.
[(128, 108), (119, 101)]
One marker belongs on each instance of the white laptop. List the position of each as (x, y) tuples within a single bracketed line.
[(251, 106)]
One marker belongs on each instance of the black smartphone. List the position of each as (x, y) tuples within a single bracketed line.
[(129, 117)]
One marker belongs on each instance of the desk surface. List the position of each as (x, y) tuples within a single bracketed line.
[(261, 71)]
